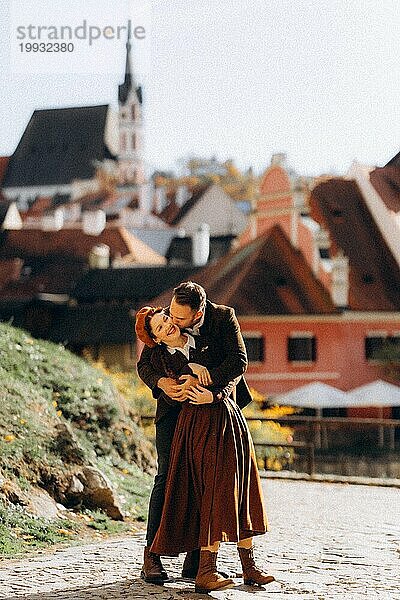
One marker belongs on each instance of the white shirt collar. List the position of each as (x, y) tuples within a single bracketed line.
[(195, 329), (190, 343)]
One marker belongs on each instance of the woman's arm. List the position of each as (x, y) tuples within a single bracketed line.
[(202, 395), (201, 372)]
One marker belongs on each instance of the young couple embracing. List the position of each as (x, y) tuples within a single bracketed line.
[(207, 489)]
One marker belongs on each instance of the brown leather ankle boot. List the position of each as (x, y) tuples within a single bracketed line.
[(252, 575), (152, 570), (208, 579)]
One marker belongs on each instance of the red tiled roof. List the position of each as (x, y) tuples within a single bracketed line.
[(386, 181), (96, 199), (268, 276), (374, 276), (74, 242), (39, 207)]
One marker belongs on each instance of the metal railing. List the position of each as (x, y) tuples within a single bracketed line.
[(318, 427)]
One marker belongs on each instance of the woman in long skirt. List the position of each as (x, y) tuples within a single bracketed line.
[(213, 491)]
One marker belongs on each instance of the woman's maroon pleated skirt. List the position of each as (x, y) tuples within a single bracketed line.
[(213, 490)]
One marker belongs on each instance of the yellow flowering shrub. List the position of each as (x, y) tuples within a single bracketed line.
[(277, 457)]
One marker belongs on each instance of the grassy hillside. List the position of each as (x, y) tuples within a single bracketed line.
[(58, 413)]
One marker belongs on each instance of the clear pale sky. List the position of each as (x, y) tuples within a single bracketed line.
[(317, 79)]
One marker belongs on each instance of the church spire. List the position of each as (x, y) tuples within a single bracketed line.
[(129, 80), (130, 125)]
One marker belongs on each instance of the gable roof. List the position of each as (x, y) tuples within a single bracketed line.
[(374, 275), (268, 276), (172, 213), (59, 145)]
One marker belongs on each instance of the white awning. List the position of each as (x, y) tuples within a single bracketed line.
[(319, 395), (314, 395), (376, 393)]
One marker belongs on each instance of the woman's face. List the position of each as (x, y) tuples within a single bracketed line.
[(163, 329)]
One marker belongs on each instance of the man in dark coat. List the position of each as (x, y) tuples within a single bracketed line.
[(220, 344)]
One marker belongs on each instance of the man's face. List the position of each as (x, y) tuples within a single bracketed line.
[(183, 315)]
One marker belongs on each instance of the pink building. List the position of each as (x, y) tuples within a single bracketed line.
[(315, 283)]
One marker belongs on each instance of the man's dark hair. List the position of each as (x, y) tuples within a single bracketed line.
[(191, 294)]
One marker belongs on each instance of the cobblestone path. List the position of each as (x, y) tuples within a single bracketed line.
[(327, 541)]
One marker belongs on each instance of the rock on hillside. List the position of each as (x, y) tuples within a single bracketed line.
[(58, 417)]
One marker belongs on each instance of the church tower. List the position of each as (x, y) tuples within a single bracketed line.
[(130, 121)]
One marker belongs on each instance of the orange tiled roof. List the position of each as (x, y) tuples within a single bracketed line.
[(74, 242), (267, 276)]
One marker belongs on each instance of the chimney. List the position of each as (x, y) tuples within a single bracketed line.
[(93, 221), (159, 199), (182, 195), (340, 280), (12, 220), (53, 221), (99, 257), (201, 245), (74, 212)]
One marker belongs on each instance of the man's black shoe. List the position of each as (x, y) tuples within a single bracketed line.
[(152, 570)]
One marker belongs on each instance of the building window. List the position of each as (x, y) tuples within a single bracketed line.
[(374, 345), (133, 112), (395, 340), (133, 141), (123, 142), (324, 253), (302, 347), (255, 347), (380, 346), (334, 412)]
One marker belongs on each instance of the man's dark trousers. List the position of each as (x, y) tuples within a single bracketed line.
[(165, 429)]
